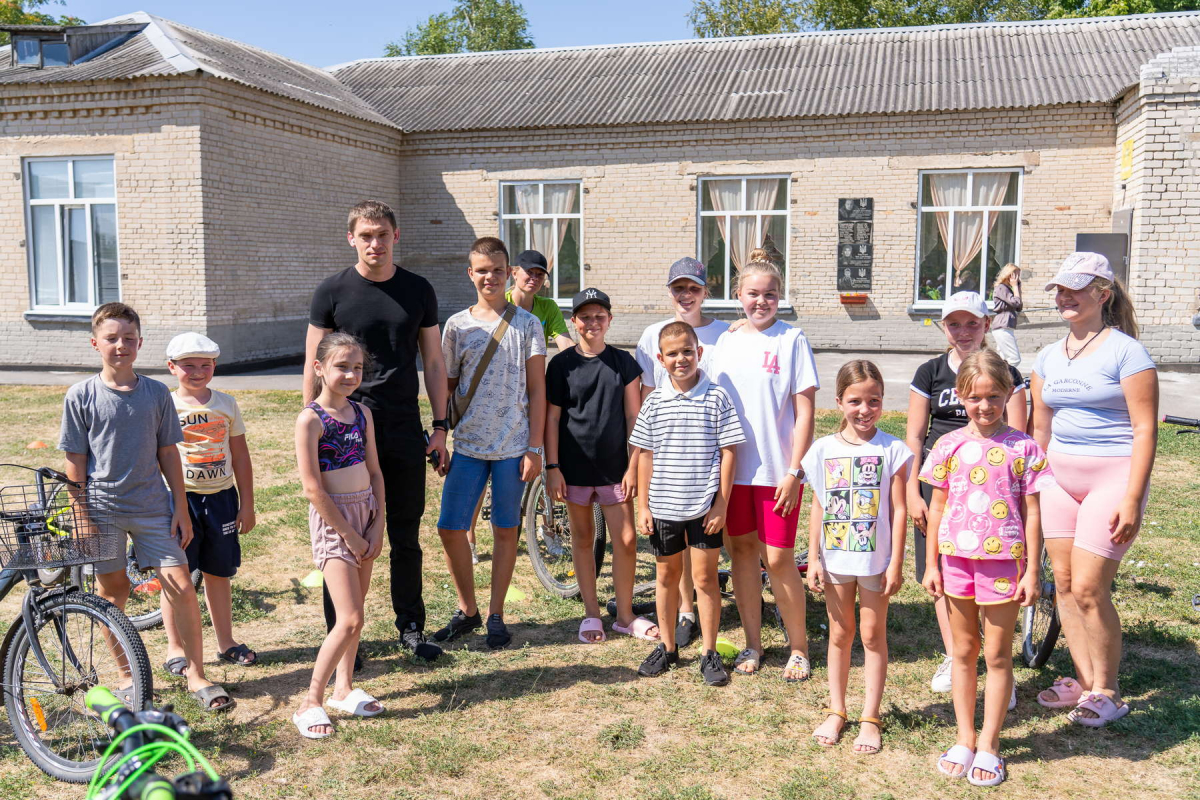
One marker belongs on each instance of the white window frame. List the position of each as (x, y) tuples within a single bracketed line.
[(730, 270), (505, 216), (920, 304), (60, 204)]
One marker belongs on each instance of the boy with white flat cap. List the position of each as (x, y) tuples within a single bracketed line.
[(220, 489)]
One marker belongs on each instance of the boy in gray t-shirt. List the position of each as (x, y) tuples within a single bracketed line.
[(119, 431)]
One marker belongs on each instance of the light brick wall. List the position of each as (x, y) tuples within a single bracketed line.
[(152, 129), (640, 208)]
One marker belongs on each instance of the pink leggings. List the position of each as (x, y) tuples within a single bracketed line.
[(1080, 505)]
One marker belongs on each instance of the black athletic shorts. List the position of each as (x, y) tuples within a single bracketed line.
[(671, 537), (214, 547)]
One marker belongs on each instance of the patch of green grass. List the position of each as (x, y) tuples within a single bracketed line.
[(622, 735), (815, 783)]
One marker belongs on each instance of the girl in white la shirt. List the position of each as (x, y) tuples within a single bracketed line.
[(767, 368), (687, 286)]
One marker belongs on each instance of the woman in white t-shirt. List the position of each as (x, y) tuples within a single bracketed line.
[(1095, 411), (767, 368), (687, 287)]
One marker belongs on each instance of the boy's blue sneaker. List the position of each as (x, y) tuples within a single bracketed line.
[(658, 662), (712, 670), (459, 624), (497, 632)]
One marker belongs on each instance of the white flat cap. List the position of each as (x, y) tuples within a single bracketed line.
[(192, 345)]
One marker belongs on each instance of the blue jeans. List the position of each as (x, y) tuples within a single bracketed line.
[(464, 484)]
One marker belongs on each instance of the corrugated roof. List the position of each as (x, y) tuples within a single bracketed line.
[(880, 71), (163, 47)]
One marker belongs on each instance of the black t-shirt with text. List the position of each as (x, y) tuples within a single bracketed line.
[(387, 316), (592, 435), (935, 380)]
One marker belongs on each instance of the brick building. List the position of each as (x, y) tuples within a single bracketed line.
[(204, 181)]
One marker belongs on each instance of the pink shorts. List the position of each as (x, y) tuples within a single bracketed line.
[(1088, 492), (604, 495), (358, 508), (987, 581), (751, 508)]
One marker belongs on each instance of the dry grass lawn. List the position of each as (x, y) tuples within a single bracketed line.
[(551, 718)]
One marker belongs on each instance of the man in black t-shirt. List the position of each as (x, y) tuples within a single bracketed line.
[(394, 312)]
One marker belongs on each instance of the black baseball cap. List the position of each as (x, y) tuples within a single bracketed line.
[(532, 259), (588, 296)]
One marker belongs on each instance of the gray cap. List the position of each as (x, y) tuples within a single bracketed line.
[(687, 267)]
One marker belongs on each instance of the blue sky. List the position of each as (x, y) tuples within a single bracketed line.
[(304, 29)]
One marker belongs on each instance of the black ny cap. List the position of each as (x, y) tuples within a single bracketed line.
[(590, 296)]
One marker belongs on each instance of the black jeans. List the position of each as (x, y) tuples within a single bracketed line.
[(8, 579), (401, 451)]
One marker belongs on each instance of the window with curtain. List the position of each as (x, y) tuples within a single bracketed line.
[(72, 225), (546, 216), (736, 216), (968, 229)]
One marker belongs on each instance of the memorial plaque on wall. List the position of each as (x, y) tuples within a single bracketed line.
[(856, 208), (854, 267), (854, 232)]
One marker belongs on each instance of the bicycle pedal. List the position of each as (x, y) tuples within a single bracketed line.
[(197, 786)]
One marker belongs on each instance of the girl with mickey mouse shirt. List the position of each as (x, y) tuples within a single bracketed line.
[(986, 478)]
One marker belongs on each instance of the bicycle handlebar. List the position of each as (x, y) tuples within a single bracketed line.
[(1186, 422), (106, 704)]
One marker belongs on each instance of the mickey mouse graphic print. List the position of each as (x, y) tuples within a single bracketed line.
[(852, 484), (985, 480)]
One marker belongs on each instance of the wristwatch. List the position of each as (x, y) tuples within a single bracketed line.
[(441, 425), (537, 451), (798, 472)]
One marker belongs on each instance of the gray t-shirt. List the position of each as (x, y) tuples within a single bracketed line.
[(121, 432), (496, 425)]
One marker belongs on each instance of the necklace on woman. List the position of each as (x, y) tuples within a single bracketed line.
[(1071, 357)]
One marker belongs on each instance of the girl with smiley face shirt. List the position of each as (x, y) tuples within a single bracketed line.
[(986, 478)]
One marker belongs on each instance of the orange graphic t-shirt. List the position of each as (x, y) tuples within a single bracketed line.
[(205, 447)]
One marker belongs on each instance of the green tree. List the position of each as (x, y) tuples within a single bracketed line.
[(715, 18), (473, 26), (21, 12)]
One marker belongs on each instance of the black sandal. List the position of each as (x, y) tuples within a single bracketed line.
[(239, 654), (208, 694), (177, 666)]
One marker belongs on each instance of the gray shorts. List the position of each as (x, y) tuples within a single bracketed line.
[(153, 543), (872, 583)]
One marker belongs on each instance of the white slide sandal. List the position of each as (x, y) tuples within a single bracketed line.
[(356, 703)]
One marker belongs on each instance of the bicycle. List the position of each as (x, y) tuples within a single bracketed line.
[(66, 640), (144, 738), (144, 607), (1040, 625)]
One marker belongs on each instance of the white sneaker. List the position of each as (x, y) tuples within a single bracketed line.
[(474, 558), (1012, 701), (941, 678)]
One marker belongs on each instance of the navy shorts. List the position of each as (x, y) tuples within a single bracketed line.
[(214, 547)]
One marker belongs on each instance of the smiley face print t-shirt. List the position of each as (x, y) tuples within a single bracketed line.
[(985, 480)]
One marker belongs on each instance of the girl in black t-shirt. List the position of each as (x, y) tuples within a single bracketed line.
[(933, 411)]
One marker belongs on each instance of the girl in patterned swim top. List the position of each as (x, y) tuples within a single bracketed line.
[(339, 469)]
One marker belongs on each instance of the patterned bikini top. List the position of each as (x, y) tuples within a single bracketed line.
[(341, 444)]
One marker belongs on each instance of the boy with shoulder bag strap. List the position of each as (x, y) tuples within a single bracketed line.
[(500, 351)]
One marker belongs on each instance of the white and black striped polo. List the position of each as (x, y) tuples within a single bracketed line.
[(686, 431)]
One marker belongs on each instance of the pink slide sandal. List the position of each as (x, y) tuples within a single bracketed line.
[(1105, 709), (638, 630), (591, 625), (1067, 692)]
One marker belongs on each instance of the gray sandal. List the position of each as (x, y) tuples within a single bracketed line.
[(176, 666), (208, 694)]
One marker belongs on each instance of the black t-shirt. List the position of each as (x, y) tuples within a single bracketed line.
[(935, 380), (387, 316), (592, 439)]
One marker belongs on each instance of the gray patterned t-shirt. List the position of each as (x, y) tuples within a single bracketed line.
[(496, 425)]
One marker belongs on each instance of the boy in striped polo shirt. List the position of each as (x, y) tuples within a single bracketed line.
[(687, 430)]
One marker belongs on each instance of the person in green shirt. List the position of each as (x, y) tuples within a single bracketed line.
[(529, 275)]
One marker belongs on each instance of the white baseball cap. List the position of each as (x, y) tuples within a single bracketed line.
[(1080, 269), (192, 345), (971, 302)]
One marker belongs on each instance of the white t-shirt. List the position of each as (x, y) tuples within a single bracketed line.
[(852, 485), (647, 350), (761, 370)]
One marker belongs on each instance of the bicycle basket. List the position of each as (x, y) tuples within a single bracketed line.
[(55, 525)]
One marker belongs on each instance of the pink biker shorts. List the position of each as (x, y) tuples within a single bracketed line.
[(604, 495), (987, 581), (751, 508), (1088, 491)]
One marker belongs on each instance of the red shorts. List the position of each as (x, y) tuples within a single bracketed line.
[(751, 508)]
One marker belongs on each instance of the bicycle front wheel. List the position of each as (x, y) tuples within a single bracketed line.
[(1039, 622), (87, 642)]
